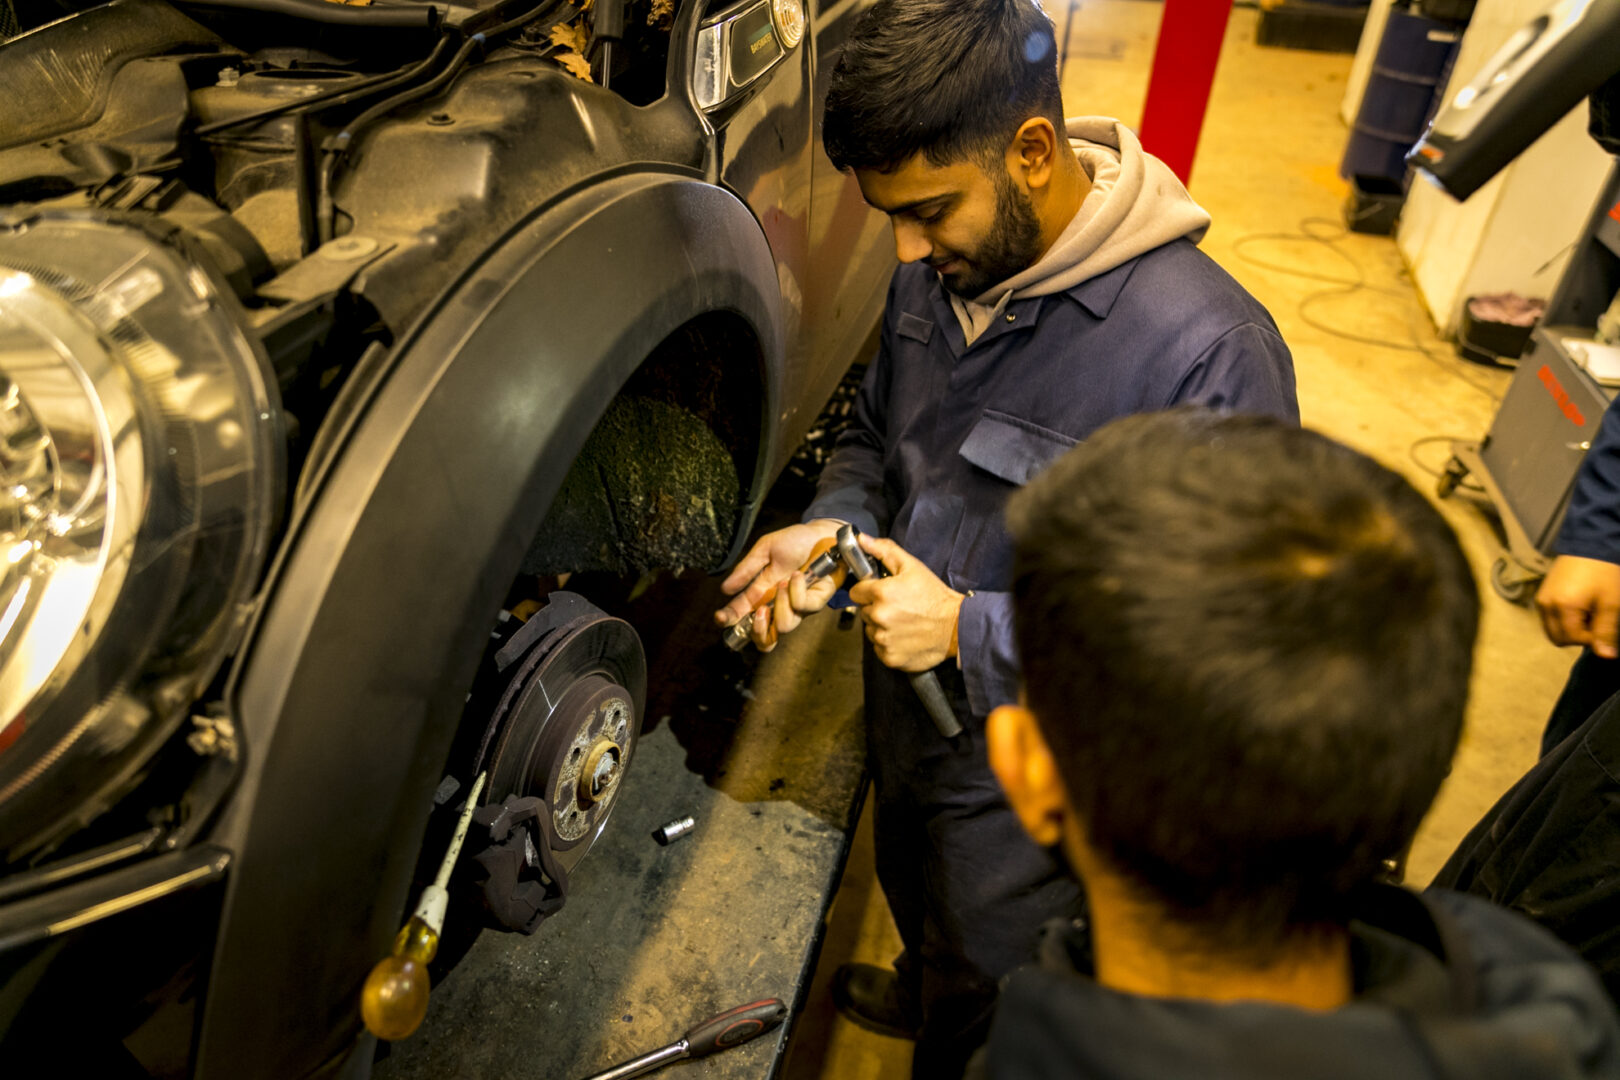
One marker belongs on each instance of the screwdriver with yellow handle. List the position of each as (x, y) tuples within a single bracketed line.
[(394, 999), (824, 562)]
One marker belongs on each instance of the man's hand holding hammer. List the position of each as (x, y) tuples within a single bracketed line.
[(910, 616)]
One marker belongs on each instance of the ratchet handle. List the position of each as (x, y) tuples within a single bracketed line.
[(737, 636), (855, 557), (734, 1027)]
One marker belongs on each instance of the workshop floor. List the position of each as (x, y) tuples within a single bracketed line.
[(1266, 171)]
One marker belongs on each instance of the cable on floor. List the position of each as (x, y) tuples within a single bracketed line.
[(1412, 452), (1327, 233)]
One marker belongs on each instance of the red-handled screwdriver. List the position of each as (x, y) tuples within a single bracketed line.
[(731, 1028)]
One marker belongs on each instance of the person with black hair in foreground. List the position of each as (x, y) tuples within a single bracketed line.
[(1246, 652), (1050, 283)]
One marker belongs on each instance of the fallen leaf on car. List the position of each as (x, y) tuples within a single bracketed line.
[(662, 14), (575, 63), (571, 37)]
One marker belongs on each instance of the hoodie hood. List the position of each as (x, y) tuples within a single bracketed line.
[(1448, 987), (1135, 205)]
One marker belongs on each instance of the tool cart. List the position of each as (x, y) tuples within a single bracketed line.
[(1546, 422)]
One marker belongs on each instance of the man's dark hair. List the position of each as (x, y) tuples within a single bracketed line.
[(950, 79), (1248, 647)]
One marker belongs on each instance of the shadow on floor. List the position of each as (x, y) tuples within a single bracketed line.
[(859, 929)]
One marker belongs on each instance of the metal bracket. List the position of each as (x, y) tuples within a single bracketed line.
[(521, 882)]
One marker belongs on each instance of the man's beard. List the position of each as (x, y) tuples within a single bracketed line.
[(1013, 244)]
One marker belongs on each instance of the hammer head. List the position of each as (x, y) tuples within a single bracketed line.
[(850, 554)]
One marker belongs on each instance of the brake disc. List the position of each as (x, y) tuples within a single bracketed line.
[(565, 730)]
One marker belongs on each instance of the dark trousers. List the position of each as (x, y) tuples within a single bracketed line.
[(968, 889), (1592, 681), (1550, 847)]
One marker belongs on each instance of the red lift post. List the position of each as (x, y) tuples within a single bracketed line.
[(1183, 70)]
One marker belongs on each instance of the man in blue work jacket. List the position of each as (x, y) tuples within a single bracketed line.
[(1550, 847), (1049, 285)]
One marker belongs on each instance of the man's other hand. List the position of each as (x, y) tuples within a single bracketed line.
[(910, 615), (774, 559), (1580, 604)]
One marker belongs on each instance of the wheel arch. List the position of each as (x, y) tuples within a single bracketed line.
[(420, 522), (668, 478)]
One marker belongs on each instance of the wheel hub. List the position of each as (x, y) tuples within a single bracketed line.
[(601, 771), (580, 782), (566, 727)]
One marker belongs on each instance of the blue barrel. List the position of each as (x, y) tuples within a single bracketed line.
[(1413, 62)]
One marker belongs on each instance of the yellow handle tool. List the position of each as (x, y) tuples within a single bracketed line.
[(394, 1000)]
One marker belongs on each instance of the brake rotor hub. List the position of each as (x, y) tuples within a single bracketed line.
[(580, 783), (565, 728), (601, 771)]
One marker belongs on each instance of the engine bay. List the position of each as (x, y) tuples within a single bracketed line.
[(336, 164)]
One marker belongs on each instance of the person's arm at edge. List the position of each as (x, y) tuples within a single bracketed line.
[(1579, 601)]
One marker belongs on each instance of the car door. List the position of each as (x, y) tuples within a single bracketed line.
[(831, 252), (851, 254), (760, 107)]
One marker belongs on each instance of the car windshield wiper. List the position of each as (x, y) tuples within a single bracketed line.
[(400, 16)]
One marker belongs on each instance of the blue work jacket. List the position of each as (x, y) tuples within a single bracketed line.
[(1591, 528), (942, 433), (1446, 987)]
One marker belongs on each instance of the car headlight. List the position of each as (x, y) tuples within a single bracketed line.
[(735, 48), (140, 472), (788, 15)]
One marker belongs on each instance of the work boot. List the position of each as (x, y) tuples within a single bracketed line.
[(875, 998)]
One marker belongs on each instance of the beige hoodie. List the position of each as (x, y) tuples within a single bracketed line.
[(1136, 204)]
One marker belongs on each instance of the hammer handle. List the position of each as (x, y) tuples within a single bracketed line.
[(932, 695)]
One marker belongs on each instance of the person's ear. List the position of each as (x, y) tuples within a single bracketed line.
[(1032, 154), (1028, 773)]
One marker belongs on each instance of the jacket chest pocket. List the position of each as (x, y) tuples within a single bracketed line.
[(1006, 452)]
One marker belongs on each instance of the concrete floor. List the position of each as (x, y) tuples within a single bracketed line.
[(1266, 172)]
